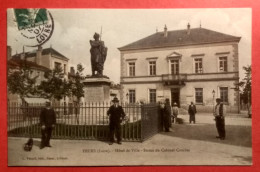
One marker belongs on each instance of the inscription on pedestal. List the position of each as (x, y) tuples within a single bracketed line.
[(94, 94)]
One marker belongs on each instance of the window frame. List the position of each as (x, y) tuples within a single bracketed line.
[(57, 64), (152, 67), (224, 100), (171, 68), (154, 97), (132, 92), (223, 61), (199, 90), (195, 64), (131, 68)]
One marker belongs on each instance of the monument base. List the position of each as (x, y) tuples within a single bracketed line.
[(97, 89)]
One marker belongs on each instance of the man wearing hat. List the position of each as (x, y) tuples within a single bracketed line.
[(47, 122), (192, 112), (116, 115), (167, 115), (219, 113), (175, 112)]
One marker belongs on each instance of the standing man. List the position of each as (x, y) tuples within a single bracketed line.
[(175, 112), (116, 115), (219, 113), (167, 116), (47, 122), (192, 111)]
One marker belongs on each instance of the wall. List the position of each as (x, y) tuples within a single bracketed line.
[(58, 60), (210, 59), (211, 79), (187, 93)]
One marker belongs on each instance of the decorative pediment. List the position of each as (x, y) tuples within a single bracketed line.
[(174, 55)]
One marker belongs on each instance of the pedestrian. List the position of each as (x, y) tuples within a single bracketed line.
[(219, 113), (192, 112), (167, 116), (116, 115), (161, 113), (175, 112), (47, 122)]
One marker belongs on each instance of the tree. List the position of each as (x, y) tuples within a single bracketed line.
[(77, 87), (245, 84), (20, 81), (55, 85)]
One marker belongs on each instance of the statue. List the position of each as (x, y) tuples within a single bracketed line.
[(98, 55)]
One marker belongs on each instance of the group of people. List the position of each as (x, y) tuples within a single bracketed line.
[(117, 115), (48, 121), (168, 113)]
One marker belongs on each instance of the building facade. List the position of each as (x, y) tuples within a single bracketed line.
[(38, 61), (182, 65)]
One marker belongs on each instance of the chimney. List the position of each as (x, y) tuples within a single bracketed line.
[(165, 31), (188, 29), (72, 71), (38, 55), (22, 56), (9, 52)]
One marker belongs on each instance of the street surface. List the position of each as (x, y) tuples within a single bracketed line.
[(186, 144)]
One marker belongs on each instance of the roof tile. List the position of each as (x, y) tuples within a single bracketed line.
[(180, 38)]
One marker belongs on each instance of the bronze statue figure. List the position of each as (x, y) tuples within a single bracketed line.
[(98, 55)]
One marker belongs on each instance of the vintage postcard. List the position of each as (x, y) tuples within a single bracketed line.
[(129, 87)]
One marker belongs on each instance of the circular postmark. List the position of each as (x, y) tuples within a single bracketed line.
[(35, 26)]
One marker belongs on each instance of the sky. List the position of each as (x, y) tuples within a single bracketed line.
[(75, 27)]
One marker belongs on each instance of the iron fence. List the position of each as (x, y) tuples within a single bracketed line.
[(84, 121)]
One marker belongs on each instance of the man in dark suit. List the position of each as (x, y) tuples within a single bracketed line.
[(47, 122), (219, 113), (116, 115), (192, 111)]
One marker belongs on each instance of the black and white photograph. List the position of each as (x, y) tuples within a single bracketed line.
[(129, 87)]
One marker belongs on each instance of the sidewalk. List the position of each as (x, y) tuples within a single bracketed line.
[(187, 144)]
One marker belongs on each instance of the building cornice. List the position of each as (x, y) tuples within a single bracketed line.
[(192, 80), (188, 74), (184, 46)]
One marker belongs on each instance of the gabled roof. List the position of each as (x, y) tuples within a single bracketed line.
[(45, 51), (17, 63), (180, 38)]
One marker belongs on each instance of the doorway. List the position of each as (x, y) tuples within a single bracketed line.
[(175, 96)]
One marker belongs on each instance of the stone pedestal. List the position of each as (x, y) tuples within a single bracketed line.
[(97, 89)]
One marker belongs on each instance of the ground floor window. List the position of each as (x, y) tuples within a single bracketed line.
[(199, 95), (131, 96), (224, 94), (152, 95)]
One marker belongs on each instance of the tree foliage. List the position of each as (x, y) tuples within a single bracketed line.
[(55, 85), (76, 83), (21, 82), (245, 84)]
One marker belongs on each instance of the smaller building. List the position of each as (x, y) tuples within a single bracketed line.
[(38, 61)]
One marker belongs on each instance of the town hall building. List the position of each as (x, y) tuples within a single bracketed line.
[(190, 65)]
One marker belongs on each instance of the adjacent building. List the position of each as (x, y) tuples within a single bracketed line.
[(39, 61), (186, 65)]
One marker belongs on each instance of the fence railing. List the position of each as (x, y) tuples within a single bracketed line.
[(84, 121)]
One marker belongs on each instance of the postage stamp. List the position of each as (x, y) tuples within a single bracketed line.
[(34, 24)]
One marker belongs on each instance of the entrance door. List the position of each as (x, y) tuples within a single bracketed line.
[(175, 95)]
